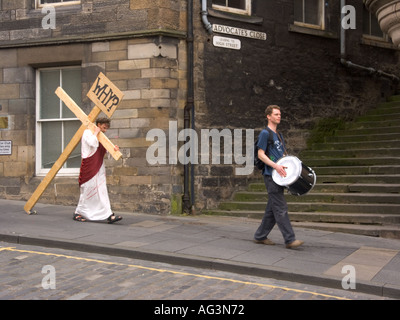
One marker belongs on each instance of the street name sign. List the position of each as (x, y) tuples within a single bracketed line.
[(229, 43), (239, 32)]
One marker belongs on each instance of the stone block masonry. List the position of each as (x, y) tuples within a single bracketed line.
[(148, 74), (153, 83), (16, 99), (140, 46)]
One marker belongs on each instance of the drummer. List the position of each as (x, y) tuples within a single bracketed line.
[(276, 211)]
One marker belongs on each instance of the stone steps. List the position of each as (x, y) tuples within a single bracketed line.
[(355, 169), (358, 145), (382, 151), (315, 207), (358, 180), (357, 136), (357, 130), (323, 217), (343, 187), (326, 197), (388, 179), (373, 123)]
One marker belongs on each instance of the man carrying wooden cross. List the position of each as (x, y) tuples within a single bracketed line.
[(94, 203)]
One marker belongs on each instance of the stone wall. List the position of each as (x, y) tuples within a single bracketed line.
[(137, 47), (18, 106), (22, 22), (153, 82)]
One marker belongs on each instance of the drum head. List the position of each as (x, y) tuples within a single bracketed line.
[(293, 171)]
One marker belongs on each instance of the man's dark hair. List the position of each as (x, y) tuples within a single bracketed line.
[(103, 121), (269, 109)]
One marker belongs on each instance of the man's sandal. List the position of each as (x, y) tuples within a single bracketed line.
[(78, 217), (113, 218)]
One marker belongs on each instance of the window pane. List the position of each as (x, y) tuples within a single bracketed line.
[(70, 128), (312, 12), (298, 10), (375, 29), (51, 143), (49, 102), (234, 6), (366, 21), (220, 2), (239, 4), (71, 83), (55, 132), (371, 25)]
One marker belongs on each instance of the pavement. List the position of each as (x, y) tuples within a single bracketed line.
[(329, 259)]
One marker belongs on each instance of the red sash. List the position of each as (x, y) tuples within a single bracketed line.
[(91, 165)]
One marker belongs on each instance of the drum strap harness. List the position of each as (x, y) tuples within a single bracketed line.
[(257, 162), (285, 153)]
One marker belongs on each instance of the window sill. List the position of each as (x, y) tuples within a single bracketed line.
[(235, 17), (377, 42), (313, 32), (71, 173)]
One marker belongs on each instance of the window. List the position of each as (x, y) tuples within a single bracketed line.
[(373, 34), (234, 6), (309, 13), (42, 3), (56, 124), (371, 25)]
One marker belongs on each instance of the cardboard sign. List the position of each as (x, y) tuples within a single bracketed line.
[(86, 122), (105, 94)]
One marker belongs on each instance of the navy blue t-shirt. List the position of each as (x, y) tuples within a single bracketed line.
[(275, 152)]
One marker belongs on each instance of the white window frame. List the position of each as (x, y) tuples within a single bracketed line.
[(68, 172), (39, 3), (321, 15), (246, 11)]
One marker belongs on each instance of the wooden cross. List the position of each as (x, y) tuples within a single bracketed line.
[(106, 96)]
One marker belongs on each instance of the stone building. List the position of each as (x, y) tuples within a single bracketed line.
[(184, 67), (306, 63)]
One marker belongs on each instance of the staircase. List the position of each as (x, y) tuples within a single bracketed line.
[(358, 180)]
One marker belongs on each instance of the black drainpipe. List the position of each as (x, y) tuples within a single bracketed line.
[(189, 111)]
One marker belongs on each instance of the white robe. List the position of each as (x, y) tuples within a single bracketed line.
[(94, 203)]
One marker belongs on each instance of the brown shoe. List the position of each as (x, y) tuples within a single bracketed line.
[(294, 244), (265, 241)]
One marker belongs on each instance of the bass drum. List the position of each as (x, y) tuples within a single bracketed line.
[(299, 179)]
